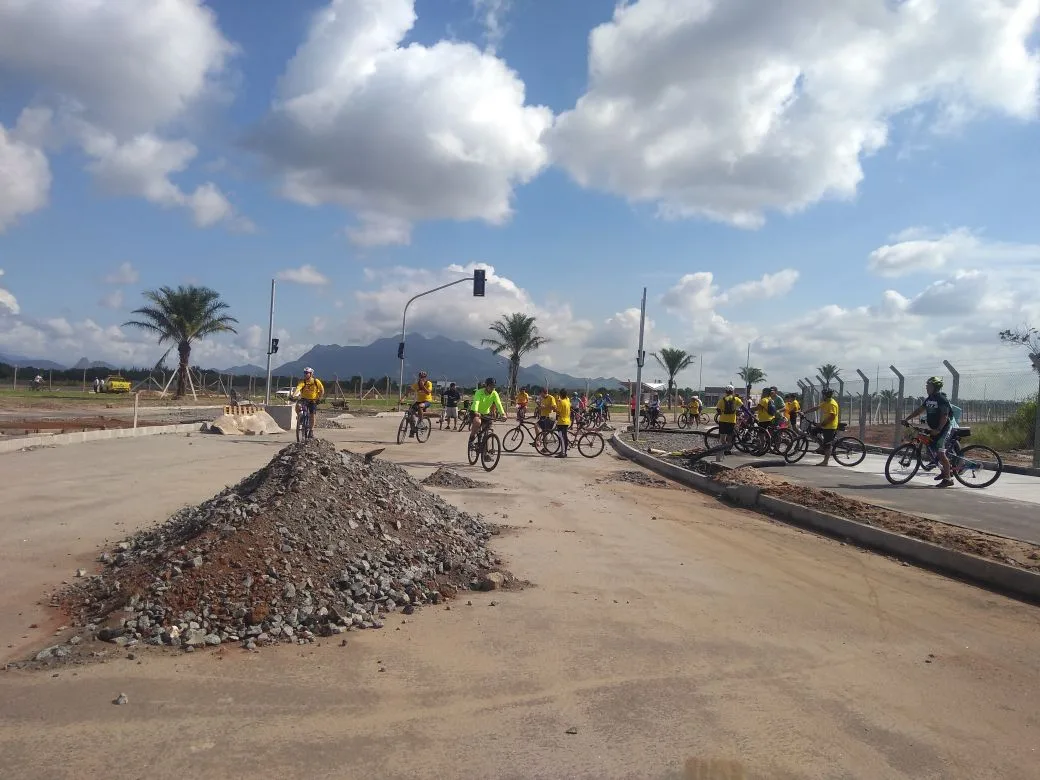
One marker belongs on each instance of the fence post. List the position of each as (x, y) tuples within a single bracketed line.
[(841, 395), (1035, 358), (956, 389), (15, 378), (862, 406), (812, 391), (897, 425)]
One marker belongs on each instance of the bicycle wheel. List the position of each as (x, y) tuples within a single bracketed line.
[(902, 464), (513, 438), (712, 438), (760, 442), (423, 429), (301, 427), (799, 447), (547, 442), (402, 430), (977, 461), (783, 441), (849, 451), (472, 452), (682, 421), (590, 444), (491, 452)]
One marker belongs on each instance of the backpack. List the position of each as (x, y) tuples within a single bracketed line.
[(729, 405)]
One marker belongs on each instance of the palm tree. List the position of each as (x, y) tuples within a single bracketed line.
[(829, 372), (515, 334), (673, 361), (751, 375), (182, 316)]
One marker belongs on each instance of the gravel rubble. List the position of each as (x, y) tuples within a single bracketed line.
[(315, 543), (448, 478)]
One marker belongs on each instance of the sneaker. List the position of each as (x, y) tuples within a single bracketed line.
[(945, 483)]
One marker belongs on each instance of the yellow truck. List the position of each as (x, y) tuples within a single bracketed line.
[(115, 384)]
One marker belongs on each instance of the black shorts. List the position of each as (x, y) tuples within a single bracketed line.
[(726, 429), (827, 435), (562, 429)]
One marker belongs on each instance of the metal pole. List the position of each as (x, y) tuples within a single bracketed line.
[(1035, 358), (700, 376), (84, 380), (270, 335), (897, 425), (50, 376), (862, 407), (137, 399), (404, 321), (956, 389), (841, 395), (640, 358), (16, 377)]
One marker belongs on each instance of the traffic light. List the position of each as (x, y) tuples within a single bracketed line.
[(274, 346), (479, 276), (400, 350)]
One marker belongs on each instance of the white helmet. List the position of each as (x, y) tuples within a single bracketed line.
[(308, 370), (729, 388)]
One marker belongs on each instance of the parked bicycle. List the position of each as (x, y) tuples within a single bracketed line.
[(485, 446), (588, 443), (414, 420), (974, 466), (846, 450), (514, 438)]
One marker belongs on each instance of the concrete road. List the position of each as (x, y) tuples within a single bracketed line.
[(680, 638)]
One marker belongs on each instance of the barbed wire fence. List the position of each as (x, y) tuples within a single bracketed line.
[(874, 402)]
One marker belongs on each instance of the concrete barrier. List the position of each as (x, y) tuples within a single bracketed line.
[(53, 440), (1009, 580), (284, 415)]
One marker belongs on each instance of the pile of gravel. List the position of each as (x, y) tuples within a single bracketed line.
[(313, 544), (635, 478), (448, 478)]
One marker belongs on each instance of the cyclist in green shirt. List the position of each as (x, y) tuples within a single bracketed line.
[(485, 401)]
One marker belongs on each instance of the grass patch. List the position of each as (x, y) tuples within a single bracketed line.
[(1018, 432)]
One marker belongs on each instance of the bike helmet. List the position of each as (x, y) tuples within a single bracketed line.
[(730, 388), (422, 374), (935, 381), (489, 382), (308, 370), (828, 392)]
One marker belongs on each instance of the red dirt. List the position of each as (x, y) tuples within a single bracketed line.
[(29, 426)]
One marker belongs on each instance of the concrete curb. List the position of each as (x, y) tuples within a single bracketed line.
[(60, 439), (992, 575)]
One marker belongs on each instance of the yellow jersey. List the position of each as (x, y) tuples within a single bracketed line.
[(563, 411), (829, 408), (762, 412), (547, 406), (522, 398), (423, 391), (310, 389), (792, 408), (728, 402), (694, 406)]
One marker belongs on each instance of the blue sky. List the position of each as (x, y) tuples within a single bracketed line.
[(857, 180)]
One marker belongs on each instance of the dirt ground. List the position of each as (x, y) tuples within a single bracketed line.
[(666, 636), (998, 548)]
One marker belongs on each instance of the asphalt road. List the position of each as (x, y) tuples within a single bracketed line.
[(666, 636), (1009, 507)]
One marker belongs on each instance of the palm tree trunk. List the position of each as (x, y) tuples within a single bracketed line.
[(184, 350), (514, 370)]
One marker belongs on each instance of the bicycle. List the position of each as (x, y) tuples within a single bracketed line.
[(514, 437), (588, 443), (687, 419), (847, 450), (485, 446), (969, 462), (648, 422), (304, 421), (414, 420)]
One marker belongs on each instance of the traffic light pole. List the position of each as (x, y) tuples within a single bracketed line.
[(270, 334), (404, 322)]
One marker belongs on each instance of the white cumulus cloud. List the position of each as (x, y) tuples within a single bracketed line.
[(112, 300), (399, 133), (125, 274), (25, 176), (7, 299), (728, 109), (305, 274)]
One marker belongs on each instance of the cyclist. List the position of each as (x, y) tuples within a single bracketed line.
[(522, 400), (727, 408), (423, 389), (830, 414), (563, 421), (654, 407), (792, 407), (310, 391), (693, 408), (601, 405), (939, 419), (486, 402), (765, 411)]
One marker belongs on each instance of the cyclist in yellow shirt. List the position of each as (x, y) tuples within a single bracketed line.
[(830, 414), (522, 400), (546, 408), (563, 421), (727, 407), (693, 408), (765, 412), (310, 391), (423, 389), (793, 408)]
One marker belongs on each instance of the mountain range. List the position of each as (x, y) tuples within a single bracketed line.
[(445, 359)]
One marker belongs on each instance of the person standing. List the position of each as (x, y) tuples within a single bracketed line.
[(450, 398), (563, 421), (830, 413), (727, 407)]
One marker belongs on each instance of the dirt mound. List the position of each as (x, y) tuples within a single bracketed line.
[(447, 478), (998, 548), (312, 544), (635, 478)]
